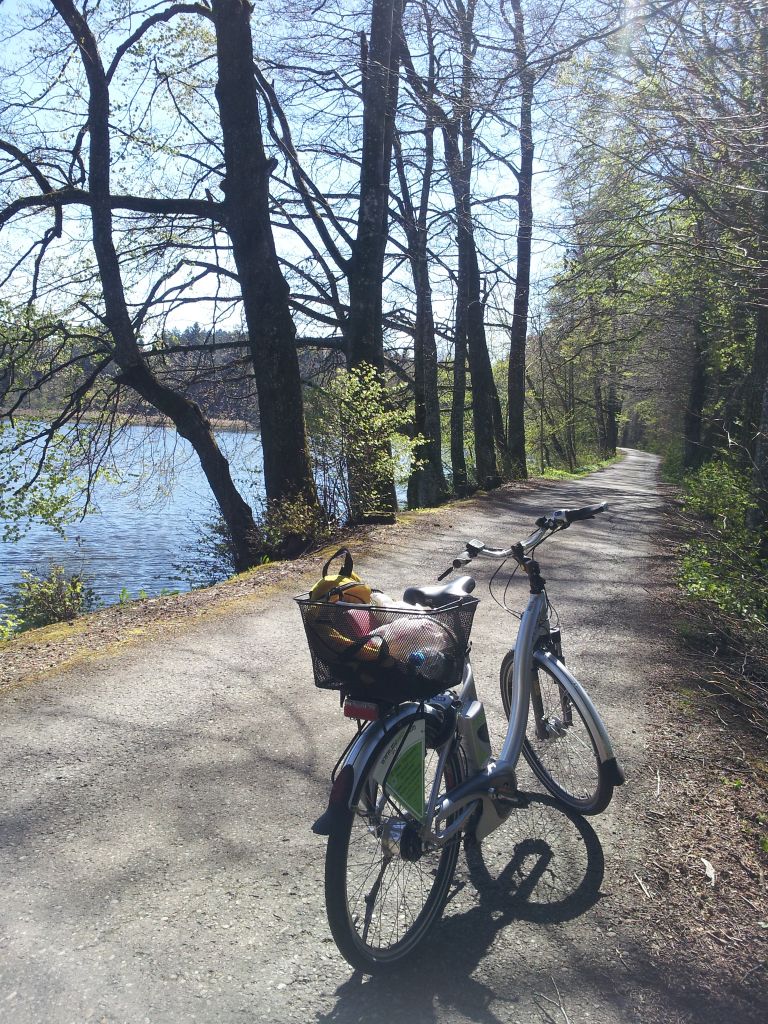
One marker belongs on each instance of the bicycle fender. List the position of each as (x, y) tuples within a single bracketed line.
[(588, 711), (346, 788)]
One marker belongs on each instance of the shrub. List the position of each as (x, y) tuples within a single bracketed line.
[(10, 624), (290, 527), (42, 600), (355, 431), (723, 561)]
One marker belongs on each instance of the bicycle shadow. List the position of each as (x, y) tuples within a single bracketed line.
[(553, 875)]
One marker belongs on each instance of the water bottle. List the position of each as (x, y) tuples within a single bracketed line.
[(429, 664)]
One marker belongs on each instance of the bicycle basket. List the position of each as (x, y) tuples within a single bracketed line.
[(390, 654)]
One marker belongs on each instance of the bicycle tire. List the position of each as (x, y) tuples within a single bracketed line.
[(566, 759), (378, 909)]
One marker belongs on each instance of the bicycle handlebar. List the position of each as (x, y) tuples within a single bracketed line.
[(589, 512), (566, 516), (558, 520)]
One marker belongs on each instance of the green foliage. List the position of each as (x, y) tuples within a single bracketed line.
[(724, 563), (672, 470), (552, 473), (43, 600), (285, 529), (36, 484), (356, 431), (288, 524), (10, 624)]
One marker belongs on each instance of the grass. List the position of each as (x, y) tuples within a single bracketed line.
[(591, 467)]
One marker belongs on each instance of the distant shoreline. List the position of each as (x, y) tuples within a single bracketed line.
[(133, 420)]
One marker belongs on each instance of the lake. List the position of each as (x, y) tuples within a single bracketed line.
[(150, 531), (153, 530)]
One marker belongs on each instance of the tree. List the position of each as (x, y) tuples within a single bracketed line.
[(518, 330), (83, 179), (126, 352), (455, 118), (265, 293), (427, 485), (360, 320)]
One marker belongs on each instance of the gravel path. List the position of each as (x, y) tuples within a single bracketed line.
[(156, 859)]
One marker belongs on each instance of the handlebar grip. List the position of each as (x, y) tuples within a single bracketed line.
[(457, 563), (573, 515)]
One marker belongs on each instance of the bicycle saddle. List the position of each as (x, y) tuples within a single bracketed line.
[(436, 596)]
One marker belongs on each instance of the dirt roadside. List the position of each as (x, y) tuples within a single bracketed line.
[(647, 937), (702, 922)]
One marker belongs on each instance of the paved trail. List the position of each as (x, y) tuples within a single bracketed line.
[(156, 861)]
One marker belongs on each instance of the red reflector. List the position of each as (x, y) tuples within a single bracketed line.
[(361, 709), (342, 787)]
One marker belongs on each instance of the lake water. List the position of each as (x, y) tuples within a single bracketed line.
[(150, 530)]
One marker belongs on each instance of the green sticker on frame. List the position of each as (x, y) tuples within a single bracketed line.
[(405, 780)]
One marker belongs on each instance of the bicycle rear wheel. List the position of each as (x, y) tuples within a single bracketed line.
[(560, 744), (383, 887)]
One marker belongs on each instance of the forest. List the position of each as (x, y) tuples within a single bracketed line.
[(489, 239)]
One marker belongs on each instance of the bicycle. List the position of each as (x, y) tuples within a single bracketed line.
[(419, 774)]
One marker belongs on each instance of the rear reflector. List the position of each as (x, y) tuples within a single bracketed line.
[(361, 709)]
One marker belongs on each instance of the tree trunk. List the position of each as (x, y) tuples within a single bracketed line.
[(461, 483), (760, 364), (570, 417), (186, 415), (426, 485), (693, 449), (757, 518), (363, 328), (379, 65), (600, 426), (613, 408), (545, 416), (470, 327), (486, 409), (753, 396), (519, 329), (265, 293)]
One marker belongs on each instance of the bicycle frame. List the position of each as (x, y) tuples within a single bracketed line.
[(488, 783)]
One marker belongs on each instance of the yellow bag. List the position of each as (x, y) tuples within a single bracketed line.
[(340, 630), (344, 586)]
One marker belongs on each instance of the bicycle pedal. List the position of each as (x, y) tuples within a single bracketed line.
[(517, 800), (510, 797), (505, 788)]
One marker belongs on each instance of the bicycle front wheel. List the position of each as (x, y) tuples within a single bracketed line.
[(560, 744), (384, 885)]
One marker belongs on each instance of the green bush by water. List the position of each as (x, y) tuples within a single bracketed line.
[(43, 600)]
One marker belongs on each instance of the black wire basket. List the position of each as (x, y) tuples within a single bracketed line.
[(391, 654)]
